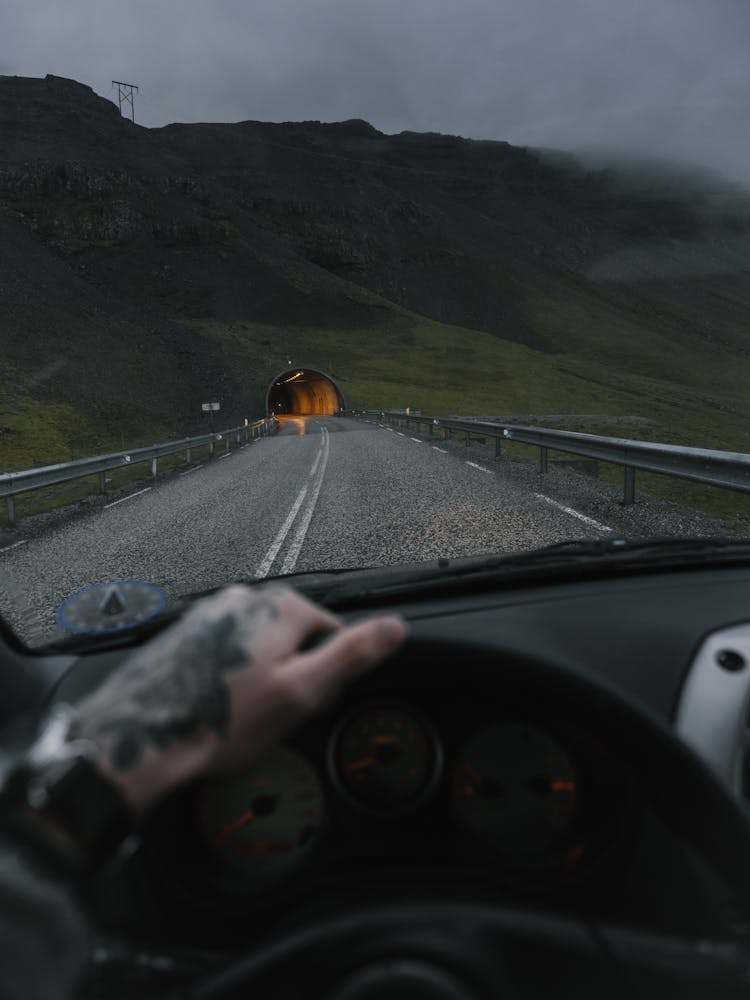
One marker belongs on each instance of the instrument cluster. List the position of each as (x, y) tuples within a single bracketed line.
[(537, 804)]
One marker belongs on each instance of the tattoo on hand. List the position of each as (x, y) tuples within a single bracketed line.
[(175, 686)]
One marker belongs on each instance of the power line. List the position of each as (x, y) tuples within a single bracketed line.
[(125, 92)]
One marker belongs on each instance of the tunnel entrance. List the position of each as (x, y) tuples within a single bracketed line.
[(304, 391)]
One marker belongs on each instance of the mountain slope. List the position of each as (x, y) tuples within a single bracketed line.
[(146, 270)]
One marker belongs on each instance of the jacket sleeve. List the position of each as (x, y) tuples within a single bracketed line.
[(43, 931)]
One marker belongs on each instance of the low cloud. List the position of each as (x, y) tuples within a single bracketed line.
[(648, 77)]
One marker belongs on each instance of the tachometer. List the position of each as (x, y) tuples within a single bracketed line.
[(263, 821), (515, 788), (385, 758)]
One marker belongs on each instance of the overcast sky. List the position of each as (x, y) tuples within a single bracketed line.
[(669, 78)]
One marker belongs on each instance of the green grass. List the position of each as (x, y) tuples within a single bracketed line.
[(41, 432)]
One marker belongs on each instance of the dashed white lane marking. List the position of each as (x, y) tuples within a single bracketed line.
[(439, 449), (129, 497), (400, 434), (283, 531), (14, 545), (418, 440), (481, 468), (290, 560), (194, 469), (573, 513)]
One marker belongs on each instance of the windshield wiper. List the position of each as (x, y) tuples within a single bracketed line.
[(589, 557)]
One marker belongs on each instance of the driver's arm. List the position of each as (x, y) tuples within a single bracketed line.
[(221, 687), (213, 692)]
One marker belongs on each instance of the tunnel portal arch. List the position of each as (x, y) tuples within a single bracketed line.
[(302, 392)]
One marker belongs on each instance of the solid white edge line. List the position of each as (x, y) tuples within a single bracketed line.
[(295, 548), (194, 469), (273, 549), (128, 497), (315, 463), (225, 455), (14, 545), (480, 467), (573, 513), (442, 450)]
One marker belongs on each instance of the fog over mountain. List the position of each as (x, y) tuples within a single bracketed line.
[(659, 78)]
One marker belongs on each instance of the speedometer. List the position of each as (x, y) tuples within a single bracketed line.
[(385, 759), (263, 822), (515, 789)]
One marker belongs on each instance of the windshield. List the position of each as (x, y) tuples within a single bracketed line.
[(289, 287)]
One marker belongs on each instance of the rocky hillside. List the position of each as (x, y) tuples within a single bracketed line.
[(145, 270)]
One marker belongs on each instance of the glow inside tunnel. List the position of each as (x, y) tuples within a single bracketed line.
[(304, 391)]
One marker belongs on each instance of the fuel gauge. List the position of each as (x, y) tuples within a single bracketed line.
[(385, 759), (516, 789)]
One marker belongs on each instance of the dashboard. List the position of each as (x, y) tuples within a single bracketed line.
[(536, 746), (399, 783)]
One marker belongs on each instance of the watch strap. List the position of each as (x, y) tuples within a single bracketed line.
[(58, 796)]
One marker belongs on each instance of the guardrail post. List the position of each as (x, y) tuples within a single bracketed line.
[(227, 441), (211, 449), (153, 467), (498, 446), (542, 459), (102, 482), (10, 501), (629, 485), (187, 455), (466, 442)]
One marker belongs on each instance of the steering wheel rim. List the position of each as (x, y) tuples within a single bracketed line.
[(684, 792)]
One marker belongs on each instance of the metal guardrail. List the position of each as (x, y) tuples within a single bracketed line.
[(726, 469), (13, 483)]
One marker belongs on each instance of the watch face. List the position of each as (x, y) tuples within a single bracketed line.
[(111, 607)]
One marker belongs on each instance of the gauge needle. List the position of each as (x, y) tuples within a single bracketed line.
[(559, 785), (229, 828), (357, 765)]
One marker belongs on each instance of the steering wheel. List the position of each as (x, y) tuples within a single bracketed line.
[(452, 949)]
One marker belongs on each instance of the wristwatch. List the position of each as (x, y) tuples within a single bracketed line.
[(55, 801)]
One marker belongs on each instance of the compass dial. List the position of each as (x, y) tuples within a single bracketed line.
[(110, 607)]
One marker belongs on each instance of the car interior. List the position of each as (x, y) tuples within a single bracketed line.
[(543, 793)]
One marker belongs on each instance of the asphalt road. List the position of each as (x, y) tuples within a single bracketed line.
[(322, 493)]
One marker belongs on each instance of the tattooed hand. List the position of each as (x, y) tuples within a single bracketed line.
[(220, 687)]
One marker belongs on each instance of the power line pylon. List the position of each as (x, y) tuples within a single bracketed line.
[(125, 93)]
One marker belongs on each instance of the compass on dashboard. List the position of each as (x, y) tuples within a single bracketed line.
[(110, 607)]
